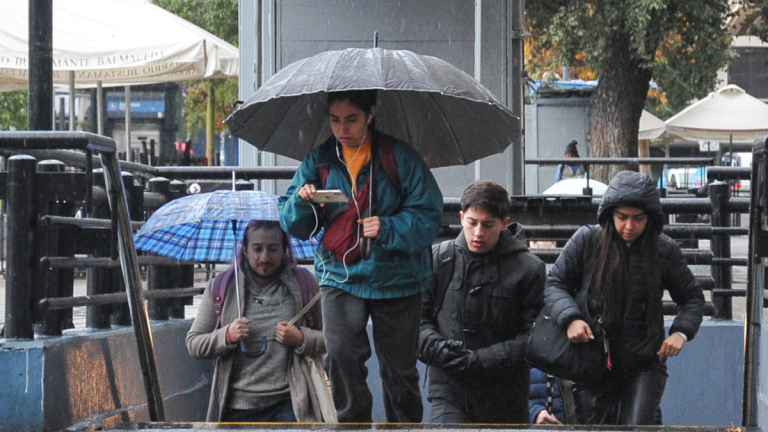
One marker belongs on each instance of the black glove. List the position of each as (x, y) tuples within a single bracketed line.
[(447, 350), (466, 366)]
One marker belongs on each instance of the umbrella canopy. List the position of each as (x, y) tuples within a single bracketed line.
[(651, 127), (448, 116), (727, 113), (117, 42), (199, 227), (574, 186)]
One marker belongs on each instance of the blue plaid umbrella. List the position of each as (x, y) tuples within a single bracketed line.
[(199, 227)]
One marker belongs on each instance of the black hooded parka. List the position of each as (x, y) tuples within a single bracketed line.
[(631, 346)]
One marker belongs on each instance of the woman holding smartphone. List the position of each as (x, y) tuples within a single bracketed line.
[(386, 287)]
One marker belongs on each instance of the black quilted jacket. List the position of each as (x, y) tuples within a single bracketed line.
[(630, 345)]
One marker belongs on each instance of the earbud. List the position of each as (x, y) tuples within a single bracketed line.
[(370, 117)]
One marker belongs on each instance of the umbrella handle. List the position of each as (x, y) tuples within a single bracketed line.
[(366, 243), (366, 247)]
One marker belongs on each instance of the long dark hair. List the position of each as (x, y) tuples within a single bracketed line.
[(613, 284)]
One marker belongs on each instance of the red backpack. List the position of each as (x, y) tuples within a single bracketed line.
[(340, 237), (307, 285)]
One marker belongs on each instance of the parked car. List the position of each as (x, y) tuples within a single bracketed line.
[(684, 178), (694, 178)]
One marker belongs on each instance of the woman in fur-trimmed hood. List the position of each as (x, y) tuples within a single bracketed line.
[(625, 263)]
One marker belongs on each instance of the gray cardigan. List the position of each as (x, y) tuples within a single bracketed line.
[(204, 341)]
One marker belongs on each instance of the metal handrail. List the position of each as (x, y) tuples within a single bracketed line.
[(105, 146)]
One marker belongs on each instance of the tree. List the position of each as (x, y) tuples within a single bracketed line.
[(13, 110), (220, 18), (680, 44)]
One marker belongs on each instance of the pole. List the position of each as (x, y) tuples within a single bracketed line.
[(40, 65), (516, 88), (755, 283), (158, 276), (100, 108), (721, 247), (71, 101), (209, 129), (128, 124), (478, 62), (18, 313)]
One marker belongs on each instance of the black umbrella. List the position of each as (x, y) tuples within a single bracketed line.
[(448, 116)]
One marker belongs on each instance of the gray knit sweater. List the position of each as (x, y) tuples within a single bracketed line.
[(259, 382)]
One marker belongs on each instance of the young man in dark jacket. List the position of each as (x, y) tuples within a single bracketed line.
[(484, 295)]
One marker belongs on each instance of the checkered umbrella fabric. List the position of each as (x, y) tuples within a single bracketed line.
[(199, 227)]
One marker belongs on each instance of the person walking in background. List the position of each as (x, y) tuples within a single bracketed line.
[(484, 295), (624, 264), (385, 288), (565, 171), (272, 386)]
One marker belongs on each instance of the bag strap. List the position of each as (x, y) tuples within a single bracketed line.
[(582, 297), (446, 262), (309, 296), (219, 292)]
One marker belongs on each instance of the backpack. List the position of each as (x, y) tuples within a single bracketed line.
[(340, 237), (307, 285), (448, 268)]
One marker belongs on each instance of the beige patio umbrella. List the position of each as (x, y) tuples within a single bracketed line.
[(651, 128), (729, 114)]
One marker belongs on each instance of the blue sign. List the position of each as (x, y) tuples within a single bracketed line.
[(140, 108)]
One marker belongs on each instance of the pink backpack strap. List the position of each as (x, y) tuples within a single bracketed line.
[(308, 287), (219, 292)]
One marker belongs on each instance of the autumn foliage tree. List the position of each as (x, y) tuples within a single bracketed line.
[(679, 44)]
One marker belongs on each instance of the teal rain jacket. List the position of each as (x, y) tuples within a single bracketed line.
[(400, 265)]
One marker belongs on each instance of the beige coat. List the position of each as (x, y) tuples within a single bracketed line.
[(204, 341)]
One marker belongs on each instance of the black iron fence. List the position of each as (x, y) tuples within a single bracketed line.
[(33, 190), (62, 242)]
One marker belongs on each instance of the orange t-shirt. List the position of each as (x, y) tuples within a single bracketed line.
[(356, 158)]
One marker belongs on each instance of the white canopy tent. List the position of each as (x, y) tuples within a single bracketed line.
[(729, 114), (113, 43)]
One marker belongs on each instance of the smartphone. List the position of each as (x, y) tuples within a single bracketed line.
[(331, 196)]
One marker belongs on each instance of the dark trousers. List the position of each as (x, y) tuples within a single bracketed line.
[(281, 412), (623, 399), (395, 337)]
